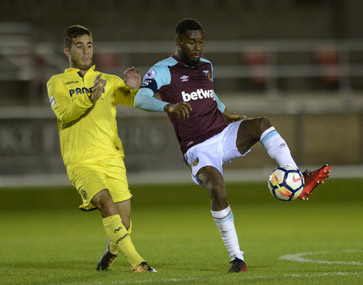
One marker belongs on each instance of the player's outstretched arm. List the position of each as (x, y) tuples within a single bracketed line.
[(145, 100), (232, 116)]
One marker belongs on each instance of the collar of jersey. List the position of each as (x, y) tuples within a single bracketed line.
[(183, 63), (90, 70)]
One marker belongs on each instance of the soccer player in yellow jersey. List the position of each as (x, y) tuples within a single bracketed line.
[(84, 102)]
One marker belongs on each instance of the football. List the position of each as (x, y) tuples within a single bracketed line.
[(286, 183)]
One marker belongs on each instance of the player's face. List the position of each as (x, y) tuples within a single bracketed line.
[(190, 46), (81, 52)]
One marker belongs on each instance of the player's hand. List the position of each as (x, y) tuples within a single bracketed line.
[(97, 89), (182, 109), (232, 116), (132, 77)]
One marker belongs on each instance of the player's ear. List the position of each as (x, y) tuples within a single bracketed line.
[(177, 42), (66, 52)]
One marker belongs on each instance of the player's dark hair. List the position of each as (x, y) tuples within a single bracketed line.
[(187, 24), (74, 31)]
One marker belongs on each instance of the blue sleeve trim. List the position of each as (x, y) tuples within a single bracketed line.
[(221, 106)]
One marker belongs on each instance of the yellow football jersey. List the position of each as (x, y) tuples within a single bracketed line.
[(87, 130)]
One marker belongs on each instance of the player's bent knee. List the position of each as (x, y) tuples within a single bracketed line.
[(103, 201), (263, 123), (260, 125)]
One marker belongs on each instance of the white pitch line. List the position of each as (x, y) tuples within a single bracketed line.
[(241, 276), (299, 257)]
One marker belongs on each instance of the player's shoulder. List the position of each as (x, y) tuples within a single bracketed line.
[(164, 64), (160, 70), (97, 72), (64, 76), (206, 63), (170, 61), (204, 60), (110, 77), (56, 79)]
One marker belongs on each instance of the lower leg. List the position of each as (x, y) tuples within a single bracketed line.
[(225, 224), (114, 228), (212, 181), (124, 210), (120, 237)]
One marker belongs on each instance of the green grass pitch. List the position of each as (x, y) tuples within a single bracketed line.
[(45, 239)]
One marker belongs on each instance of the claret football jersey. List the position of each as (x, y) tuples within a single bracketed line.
[(176, 82)]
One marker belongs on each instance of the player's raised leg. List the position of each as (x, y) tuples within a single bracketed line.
[(260, 129), (212, 180), (278, 149), (252, 130)]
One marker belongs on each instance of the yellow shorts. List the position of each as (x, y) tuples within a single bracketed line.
[(92, 177)]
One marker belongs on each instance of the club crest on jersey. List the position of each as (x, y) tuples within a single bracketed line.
[(207, 74), (84, 194), (150, 75), (184, 78), (196, 161)]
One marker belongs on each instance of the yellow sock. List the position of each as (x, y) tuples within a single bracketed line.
[(114, 247), (118, 234)]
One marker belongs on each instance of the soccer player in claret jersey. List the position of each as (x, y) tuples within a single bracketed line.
[(84, 101), (209, 134)]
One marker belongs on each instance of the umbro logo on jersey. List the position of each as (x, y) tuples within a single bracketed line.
[(184, 78), (199, 94)]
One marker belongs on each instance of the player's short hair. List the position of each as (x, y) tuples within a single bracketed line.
[(72, 32), (187, 24)]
